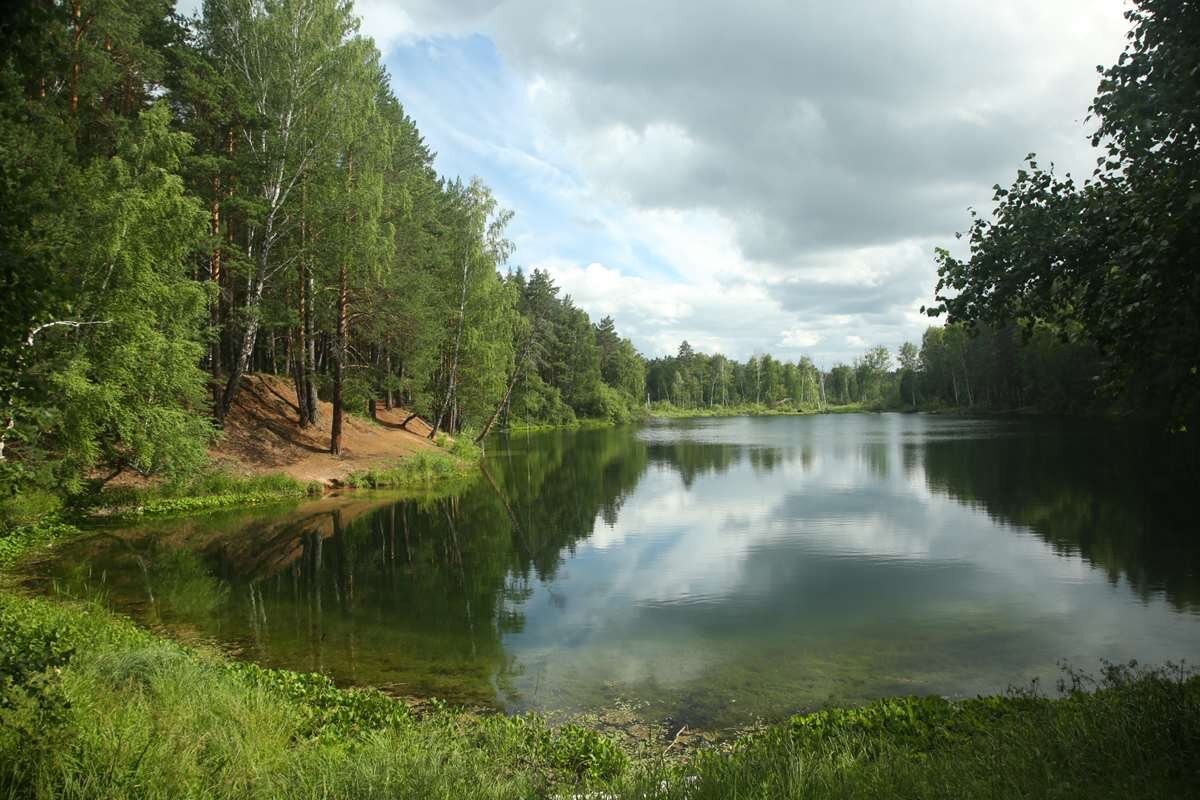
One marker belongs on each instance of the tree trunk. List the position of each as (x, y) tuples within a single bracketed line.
[(245, 349), (452, 375), (310, 353), (966, 380), (77, 28), (512, 382), (387, 393), (339, 359), (253, 307), (298, 372), (214, 273)]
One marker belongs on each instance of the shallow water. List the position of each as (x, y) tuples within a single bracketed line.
[(712, 571)]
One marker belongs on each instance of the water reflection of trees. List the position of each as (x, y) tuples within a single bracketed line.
[(413, 595), (1117, 497), (695, 459)]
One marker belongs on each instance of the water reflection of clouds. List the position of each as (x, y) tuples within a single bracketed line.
[(849, 535)]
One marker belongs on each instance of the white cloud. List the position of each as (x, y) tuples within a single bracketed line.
[(799, 338), (385, 22)]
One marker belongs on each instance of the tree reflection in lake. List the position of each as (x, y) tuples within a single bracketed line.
[(715, 569)]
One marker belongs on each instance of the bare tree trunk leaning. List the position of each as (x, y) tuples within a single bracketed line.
[(518, 368)]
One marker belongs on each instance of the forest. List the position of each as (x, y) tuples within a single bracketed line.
[(985, 367), (191, 200), (188, 201)]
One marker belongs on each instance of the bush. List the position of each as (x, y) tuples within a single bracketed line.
[(612, 405), (28, 508)]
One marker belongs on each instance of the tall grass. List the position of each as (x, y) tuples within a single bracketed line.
[(207, 490), (456, 462), (1136, 734), (93, 707)]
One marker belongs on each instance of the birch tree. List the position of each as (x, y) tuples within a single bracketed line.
[(285, 57)]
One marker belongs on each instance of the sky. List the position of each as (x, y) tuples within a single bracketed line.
[(749, 176)]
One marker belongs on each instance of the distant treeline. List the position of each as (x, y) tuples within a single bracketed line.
[(985, 368)]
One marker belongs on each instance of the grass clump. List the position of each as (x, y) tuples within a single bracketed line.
[(19, 541), (208, 490), (29, 507), (458, 463)]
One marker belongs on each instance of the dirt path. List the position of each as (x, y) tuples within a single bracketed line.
[(261, 435)]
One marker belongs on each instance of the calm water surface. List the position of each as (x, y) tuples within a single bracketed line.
[(708, 570)]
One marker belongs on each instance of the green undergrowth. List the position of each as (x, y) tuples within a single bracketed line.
[(1130, 733), (669, 411), (21, 541), (208, 490), (457, 461), (583, 423)]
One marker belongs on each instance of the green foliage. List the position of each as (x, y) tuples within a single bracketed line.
[(538, 402), (1109, 262), (612, 405), (574, 369), (21, 540), (464, 448), (105, 370), (570, 750), (328, 711)]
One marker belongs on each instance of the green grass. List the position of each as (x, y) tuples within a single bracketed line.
[(24, 540), (458, 464), (91, 706), (583, 423), (1137, 734), (208, 490), (669, 411)]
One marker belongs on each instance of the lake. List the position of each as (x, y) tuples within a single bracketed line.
[(710, 571)]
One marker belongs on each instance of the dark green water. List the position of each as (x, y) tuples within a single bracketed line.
[(709, 570)]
